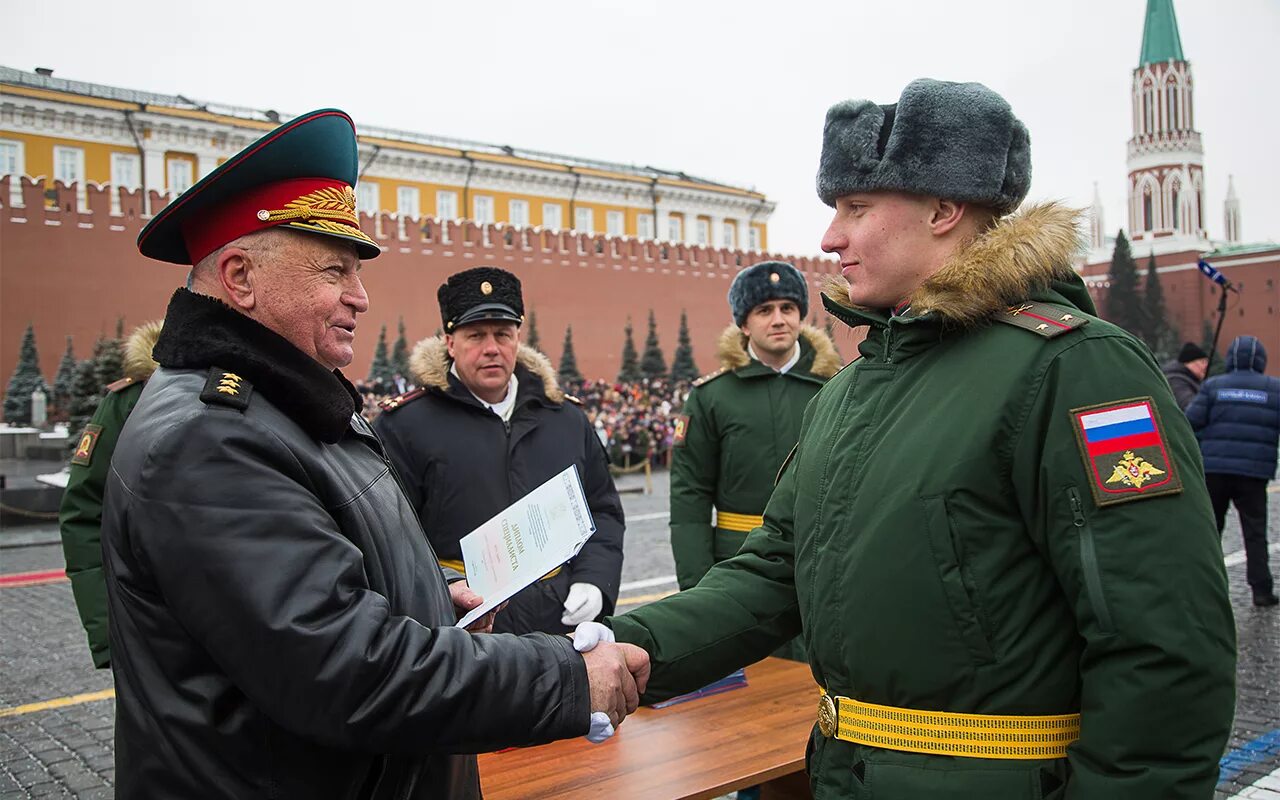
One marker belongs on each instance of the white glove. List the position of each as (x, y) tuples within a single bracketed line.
[(586, 636), (583, 603)]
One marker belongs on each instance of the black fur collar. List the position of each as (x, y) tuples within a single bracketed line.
[(201, 332)]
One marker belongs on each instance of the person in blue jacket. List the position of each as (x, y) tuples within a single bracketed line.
[(1236, 417)]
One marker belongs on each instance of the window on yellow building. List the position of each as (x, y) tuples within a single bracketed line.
[(730, 237), (181, 175), (408, 201), (446, 205), (702, 234), (484, 209), (552, 216), (675, 231), (12, 158), (615, 223), (518, 213), (755, 238), (644, 226), (126, 170), (68, 167), (367, 198), (582, 220)]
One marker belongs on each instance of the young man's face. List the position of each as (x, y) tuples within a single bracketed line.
[(884, 243), (772, 327), (485, 355)]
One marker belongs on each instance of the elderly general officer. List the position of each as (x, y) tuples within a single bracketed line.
[(279, 625)]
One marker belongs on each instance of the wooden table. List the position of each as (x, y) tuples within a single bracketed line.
[(704, 748)]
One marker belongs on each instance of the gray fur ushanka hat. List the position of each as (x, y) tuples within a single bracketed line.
[(768, 280), (957, 141)]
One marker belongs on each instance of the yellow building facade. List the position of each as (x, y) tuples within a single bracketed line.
[(77, 132)]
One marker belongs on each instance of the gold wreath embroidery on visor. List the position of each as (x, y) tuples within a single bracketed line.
[(323, 204)]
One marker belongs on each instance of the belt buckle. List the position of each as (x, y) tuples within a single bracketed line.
[(827, 722)]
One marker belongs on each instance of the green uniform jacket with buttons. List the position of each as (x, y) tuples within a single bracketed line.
[(937, 542), (80, 514), (740, 423)]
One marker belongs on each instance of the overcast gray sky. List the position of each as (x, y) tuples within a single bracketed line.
[(731, 91)]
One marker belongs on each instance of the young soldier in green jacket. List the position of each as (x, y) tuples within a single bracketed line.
[(742, 420), (994, 535), (80, 516)]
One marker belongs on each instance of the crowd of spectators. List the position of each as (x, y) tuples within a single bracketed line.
[(635, 421)]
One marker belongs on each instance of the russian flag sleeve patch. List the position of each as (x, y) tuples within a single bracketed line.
[(1124, 452)]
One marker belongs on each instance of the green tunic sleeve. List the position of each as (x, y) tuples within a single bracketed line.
[(80, 519), (695, 467)]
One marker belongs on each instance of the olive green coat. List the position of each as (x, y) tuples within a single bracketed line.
[(936, 541), (80, 515), (739, 424)]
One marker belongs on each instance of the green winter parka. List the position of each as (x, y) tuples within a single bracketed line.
[(80, 513), (739, 424), (943, 543)]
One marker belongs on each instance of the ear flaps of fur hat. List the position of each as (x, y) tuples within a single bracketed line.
[(768, 280), (958, 141)]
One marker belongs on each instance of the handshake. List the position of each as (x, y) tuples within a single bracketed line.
[(616, 673)]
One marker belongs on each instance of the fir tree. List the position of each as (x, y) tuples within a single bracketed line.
[(682, 366), (1157, 332), (380, 370), (86, 393), (1124, 305), (630, 372), (64, 380), (26, 379), (652, 364), (400, 352), (532, 339), (568, 372), (108, 360)]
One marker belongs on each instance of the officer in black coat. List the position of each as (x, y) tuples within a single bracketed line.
[(488, 425)]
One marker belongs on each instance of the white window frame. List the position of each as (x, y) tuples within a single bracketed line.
[(729, 239), (482, 206), (76, 154), (446, 205), (675, 228), (702, 232), (518, 213), (408, 202), (615, 223), (584, 219), (15, 166), (368, 197), (122, 163), (644, 226), (552, 216), (754, 238), (175, 167)]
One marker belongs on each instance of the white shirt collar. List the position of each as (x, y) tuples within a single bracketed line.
[(503, 407), (785, 368)]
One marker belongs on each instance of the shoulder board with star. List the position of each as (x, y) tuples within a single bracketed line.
[(708, 378), (392, 403), (1043, 319), (226, 389), (123, 383)]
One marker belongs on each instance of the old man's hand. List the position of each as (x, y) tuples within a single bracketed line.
[(464, 599)]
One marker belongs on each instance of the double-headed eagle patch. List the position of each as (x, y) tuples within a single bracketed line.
[(1124, 451)]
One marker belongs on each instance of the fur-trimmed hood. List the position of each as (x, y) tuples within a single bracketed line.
[(731, 350), (429, 366), (1020, 255), (138, 363)]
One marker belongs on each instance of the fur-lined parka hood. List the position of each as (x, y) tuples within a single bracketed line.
[(1019, 256), (138, 363), (731, 350), (429, 366)]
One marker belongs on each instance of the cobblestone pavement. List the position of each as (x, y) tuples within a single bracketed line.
[(66, 751)]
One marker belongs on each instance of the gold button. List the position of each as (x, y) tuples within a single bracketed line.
[(774, 277), (264, 215), (486, 288)]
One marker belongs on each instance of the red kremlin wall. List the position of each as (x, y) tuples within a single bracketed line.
[(73, 272)]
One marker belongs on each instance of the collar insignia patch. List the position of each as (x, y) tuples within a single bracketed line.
[(1123, 448), (226, 389)]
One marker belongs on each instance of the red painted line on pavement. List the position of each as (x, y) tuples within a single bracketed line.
[(15, 579)]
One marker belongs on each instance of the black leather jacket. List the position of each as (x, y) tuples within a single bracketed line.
[(279, 624)]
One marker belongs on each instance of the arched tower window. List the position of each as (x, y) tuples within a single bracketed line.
[(1171, 105), (1148, 110), (1174, 209), (1146, 208)]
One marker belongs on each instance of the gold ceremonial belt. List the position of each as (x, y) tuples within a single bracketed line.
[(944, 733), (729, 521), (462, 568)]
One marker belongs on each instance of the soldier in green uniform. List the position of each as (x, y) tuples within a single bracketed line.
[(994, 535), (80, 515), (740, 421)]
